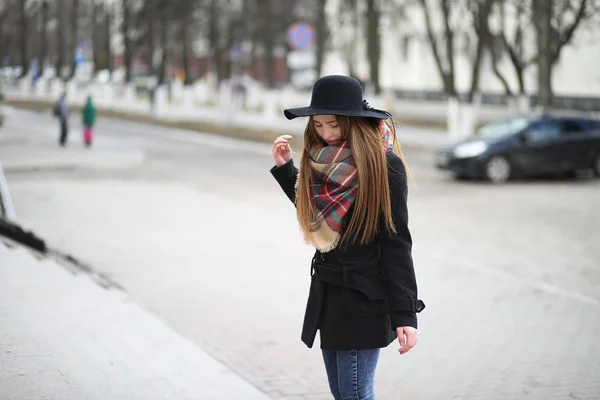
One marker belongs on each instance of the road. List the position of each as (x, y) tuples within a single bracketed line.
[(197, 231)]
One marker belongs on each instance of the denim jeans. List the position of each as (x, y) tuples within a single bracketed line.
[(351, 373)]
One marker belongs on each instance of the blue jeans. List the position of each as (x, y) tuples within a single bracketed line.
[(351, 373)]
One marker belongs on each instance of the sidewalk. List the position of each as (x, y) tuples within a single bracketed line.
[(64, 337)]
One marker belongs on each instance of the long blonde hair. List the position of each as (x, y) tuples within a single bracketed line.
[(373, 195)]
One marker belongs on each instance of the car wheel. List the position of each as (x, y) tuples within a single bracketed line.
[(497, 169), (596, 166)]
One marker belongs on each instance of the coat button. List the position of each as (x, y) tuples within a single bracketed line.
[(419, 305)]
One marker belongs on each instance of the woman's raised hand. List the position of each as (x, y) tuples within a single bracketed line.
[(282, 152)]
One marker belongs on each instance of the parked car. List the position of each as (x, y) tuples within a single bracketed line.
[(548, 143)]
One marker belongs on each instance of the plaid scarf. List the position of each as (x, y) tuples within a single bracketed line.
[(335, 184)]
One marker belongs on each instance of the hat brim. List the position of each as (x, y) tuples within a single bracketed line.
[(292, 113)]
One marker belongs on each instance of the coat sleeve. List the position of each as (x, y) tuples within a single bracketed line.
[(286, 176), (396, 253)]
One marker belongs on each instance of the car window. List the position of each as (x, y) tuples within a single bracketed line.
[(543, 131), (503, 128)]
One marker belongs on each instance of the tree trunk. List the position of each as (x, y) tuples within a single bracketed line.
[(151, 44), (107, 36), (95, 44), (355, 37), (24, 55), (542, 13), (185, 51), (321, 35), (43, 38), (214, 40), (268, 41), (74, 35), (3, 17), (449, 48), (475, 70), (228, 61), (446, 70), (373, 43), (499, 75), (60, 38), (127, 51), (482, 14), (164, 30)]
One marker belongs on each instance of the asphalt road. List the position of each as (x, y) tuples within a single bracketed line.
[(197, 231)]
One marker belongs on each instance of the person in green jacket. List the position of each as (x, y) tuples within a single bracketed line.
[(89, 118)]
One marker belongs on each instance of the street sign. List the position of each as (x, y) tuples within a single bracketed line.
[(301, 36), (79, 54)]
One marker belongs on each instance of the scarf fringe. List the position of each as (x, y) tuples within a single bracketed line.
[(331, 246), (309, 238)]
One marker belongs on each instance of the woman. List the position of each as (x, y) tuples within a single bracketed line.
[(89, 117), (350, 196)]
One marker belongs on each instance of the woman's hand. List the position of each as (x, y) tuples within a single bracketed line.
[(407, 336), (282, 152)]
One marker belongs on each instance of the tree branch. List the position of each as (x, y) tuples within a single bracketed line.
[(434, 47), (565, 38)]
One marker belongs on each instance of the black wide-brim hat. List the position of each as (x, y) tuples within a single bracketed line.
[(337, 95)]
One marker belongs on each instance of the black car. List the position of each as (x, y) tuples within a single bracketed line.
[(526, 146)]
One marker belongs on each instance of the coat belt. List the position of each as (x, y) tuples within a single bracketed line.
[(344, 276), (366, 283)]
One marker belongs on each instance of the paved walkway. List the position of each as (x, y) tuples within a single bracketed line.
[(64, 337)]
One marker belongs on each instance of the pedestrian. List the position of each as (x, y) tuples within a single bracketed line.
[(61, 111), (350, 195), (89, 118)]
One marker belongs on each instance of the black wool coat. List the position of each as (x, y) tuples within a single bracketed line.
[(360, 294)]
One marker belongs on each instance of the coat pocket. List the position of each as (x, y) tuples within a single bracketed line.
[(355, 302)]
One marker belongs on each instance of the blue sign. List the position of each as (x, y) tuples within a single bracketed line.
[(79, 54), (301, 36)]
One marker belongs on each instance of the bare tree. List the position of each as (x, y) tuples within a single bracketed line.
[(214, 39), (3, 41), (374, 42), (24, 27), (5, 37), (322, 34), (106, 26), (164, 40), (480, 10), (60, 37), (188, 8), (444, 61), (554, 23), (542, 14), (74, 42), (348, 17), (126, 25), (514, 44), (43, 37), (552, 34)]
